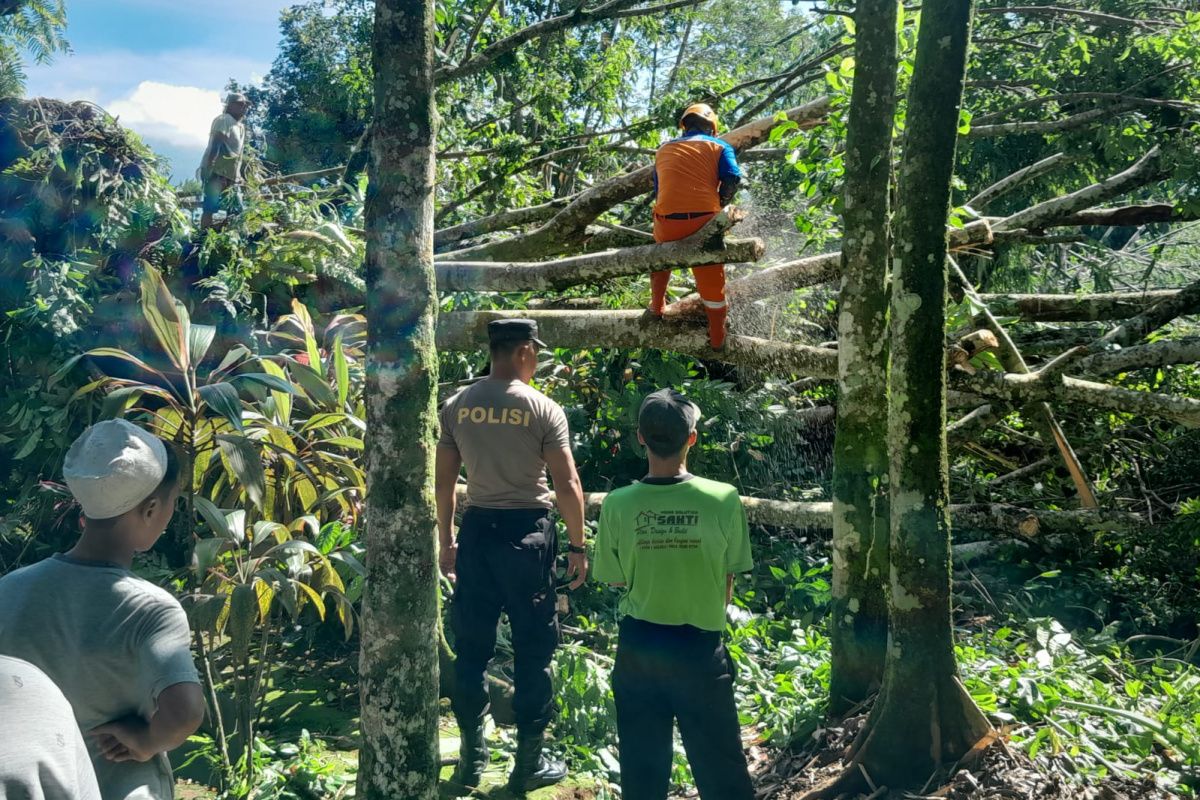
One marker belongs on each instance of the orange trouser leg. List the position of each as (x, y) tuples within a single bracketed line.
[(710, 283), (669, 230), (658, 290)]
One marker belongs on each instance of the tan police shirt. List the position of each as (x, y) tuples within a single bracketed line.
[(502, 430)]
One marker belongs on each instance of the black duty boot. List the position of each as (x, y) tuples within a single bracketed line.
[(531, 768), (472, 759)]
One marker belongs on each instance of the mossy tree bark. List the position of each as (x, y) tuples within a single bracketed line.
[(399, 660), (858, 624), (924, 718)]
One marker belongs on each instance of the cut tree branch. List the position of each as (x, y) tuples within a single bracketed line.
[(1050, 125), (808, 271), (1075, 307), (705, 246), (1093, 17), (570, 223), (501, 221), (1147, 169), (487, 55), (1130, 216), (467, 330), (1021, 389), (1001, 518), (980, 201), (1163, 353), (1186, 301)]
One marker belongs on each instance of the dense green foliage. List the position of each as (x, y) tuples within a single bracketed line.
[(1083, 648)]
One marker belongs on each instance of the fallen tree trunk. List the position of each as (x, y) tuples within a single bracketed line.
[(467, 330), (705, 246), (808, 271), (500, 222), (570, 223), (981, 199), (1018, 390), (1075, 307), (1185, 301), (999, 518), (1147, 169), (1129, 216), (1162, 353)]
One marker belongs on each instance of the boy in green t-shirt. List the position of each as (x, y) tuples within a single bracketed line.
[(674, 541)]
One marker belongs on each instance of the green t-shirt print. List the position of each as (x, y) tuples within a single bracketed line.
[(672, 546)]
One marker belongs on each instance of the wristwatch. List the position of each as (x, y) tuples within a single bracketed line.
[(573, 549)]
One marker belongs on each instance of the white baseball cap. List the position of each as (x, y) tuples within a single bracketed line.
[(113, 466)]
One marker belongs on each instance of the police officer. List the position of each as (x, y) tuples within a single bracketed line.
[(506, 434)]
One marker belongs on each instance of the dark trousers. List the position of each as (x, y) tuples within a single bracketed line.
[(668, 673), (505, 562)]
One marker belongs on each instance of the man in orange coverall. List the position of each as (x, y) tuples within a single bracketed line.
[(695, 176)]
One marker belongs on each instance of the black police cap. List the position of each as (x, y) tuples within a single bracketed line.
[(514, 330), (667, 419)]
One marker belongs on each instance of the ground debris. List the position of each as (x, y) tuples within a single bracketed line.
[(997, 774)]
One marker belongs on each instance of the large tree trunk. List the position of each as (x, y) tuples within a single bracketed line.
[(923, 717), (858, 619), (398, 664)]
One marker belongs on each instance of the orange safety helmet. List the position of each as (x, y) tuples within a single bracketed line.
[(702, 110)]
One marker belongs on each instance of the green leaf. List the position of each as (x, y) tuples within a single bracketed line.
[(314, 597), (265, 528), (203, 611), (345, 612), (170, 326), (276, 383), (313, 383), (200, 338), (112, 352), (283, 399), (342, 371), (322, 420), (30, 444), (223, 399), (246, 464), (205, 554), (117, 401), (265, 595), (213, 516), (352, 442), (310, 338)]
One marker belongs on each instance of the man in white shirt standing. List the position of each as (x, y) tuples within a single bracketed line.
[(221, 167)]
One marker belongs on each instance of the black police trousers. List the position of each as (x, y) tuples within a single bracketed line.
[(669, 673), (505, 562)]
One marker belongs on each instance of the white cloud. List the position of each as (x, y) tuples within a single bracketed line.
[(110, 75), (178, 115), (168, 97)]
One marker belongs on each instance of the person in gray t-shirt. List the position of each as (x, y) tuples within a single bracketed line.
[(42, 755), (116, 645)]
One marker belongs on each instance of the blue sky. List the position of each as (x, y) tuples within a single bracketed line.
[(160, 65)]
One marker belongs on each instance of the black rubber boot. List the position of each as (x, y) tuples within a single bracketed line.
[(531, 768), (472, 759)]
